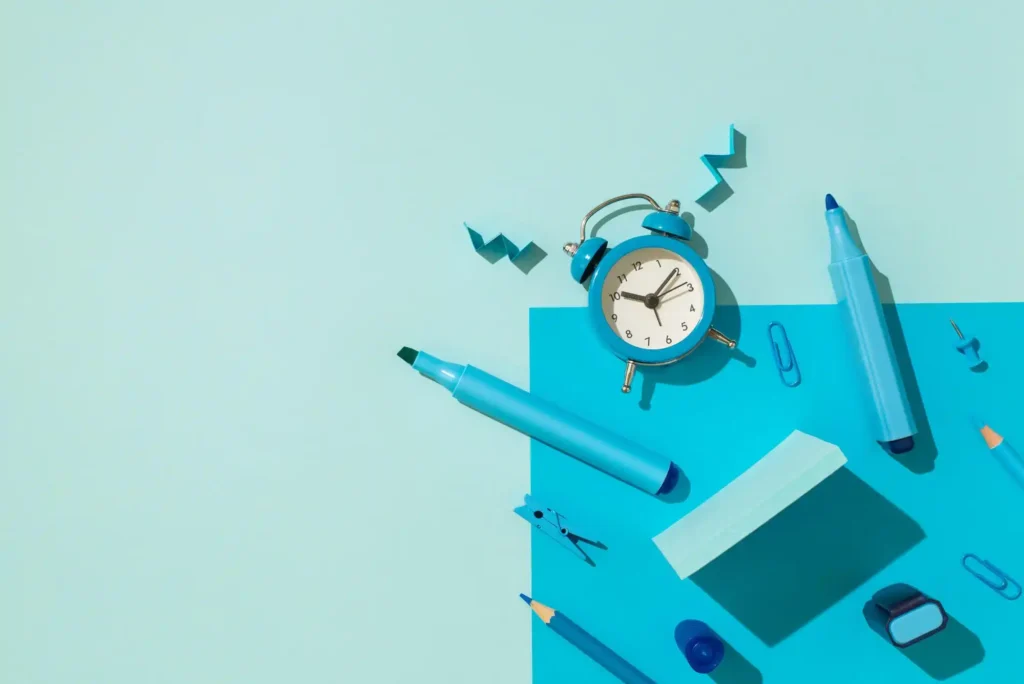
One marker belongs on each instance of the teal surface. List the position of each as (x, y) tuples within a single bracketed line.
[(789, 598)]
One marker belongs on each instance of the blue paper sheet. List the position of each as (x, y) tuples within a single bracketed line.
[(788, 599)]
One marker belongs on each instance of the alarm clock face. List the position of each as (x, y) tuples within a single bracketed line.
[(652, 298)]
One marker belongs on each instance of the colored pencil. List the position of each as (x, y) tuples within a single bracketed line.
[(581, 639)]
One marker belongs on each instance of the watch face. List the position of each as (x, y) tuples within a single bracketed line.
[(652, 298)]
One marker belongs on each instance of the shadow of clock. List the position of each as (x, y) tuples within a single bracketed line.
[(709, 358)]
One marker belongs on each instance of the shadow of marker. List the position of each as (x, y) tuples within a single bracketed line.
[(921, 459)]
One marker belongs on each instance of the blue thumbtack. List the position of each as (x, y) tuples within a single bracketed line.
[(967, 347), (553, 524)]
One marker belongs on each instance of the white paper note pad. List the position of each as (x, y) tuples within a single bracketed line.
[(794, 467)]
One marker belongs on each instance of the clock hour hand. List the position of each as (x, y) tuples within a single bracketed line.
[(630, 295)]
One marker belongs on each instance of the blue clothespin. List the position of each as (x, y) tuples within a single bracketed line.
[(967, 347), (553, 524)]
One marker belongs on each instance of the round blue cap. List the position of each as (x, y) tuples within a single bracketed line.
[(703, 649), (668, 223), (586, 258)]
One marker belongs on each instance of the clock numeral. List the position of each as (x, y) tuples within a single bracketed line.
[(692, 309), (668, 340), (637, 265), (685, 327), (615, 295), (659, 262), (615, 317), (629, 334), (622, 278), (688, 286), (648, 341)]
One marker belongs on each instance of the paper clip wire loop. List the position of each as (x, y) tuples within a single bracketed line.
[(1003, 584), (789, 366)]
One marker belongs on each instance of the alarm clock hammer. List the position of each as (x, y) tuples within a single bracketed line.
[(656, 264)]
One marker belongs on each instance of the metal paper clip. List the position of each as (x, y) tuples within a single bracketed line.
[(553, 524), (1003, 584), (789, 366)]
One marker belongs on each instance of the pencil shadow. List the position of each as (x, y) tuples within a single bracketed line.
[(980, 368), (809, 557), (714, 198), (921, 459), (735, 669), (946, 654), (708, 358)]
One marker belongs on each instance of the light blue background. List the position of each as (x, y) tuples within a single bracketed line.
[(220, 220)]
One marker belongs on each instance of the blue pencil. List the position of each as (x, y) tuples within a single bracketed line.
[(1005, 454), (578, 637)]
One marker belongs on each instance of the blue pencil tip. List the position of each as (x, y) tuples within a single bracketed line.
[(526, 598), (830, 203), (977, 422)]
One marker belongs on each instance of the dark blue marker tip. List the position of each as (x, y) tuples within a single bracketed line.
[(830, 203), (525, 598), (901, 446)]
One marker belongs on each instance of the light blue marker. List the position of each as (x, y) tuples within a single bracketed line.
[(547, 423), (854, 285)]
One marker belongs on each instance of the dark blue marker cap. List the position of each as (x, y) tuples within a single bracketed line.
[(701, 646)]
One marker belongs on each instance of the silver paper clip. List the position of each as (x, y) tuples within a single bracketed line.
[(789, 365), (553, 524), (1003, 584)]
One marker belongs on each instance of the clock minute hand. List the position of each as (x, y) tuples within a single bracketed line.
[(673, 288), (671, 275)]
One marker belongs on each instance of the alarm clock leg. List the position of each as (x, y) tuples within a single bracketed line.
[(630, 370), (719, 337)]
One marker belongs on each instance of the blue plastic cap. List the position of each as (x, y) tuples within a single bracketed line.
[(668, 223), (701, 647), (704, 655), (586, 258), (901, 446)]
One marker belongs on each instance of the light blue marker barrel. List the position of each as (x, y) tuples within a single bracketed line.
[(882, 384), (552, 425)]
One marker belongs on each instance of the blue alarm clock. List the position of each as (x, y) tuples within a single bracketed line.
[(651, 297)]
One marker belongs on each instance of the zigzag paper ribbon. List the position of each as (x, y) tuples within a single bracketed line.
[(712, 162), (500, 246)]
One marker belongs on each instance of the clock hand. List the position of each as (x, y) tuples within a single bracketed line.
[(674, 288), (630, 295), (655, 310), (673, 274)]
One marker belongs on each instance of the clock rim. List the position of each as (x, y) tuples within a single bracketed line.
[(624, 350)]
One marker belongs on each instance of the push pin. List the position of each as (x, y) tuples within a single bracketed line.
[(968, 347), (553, 524)]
